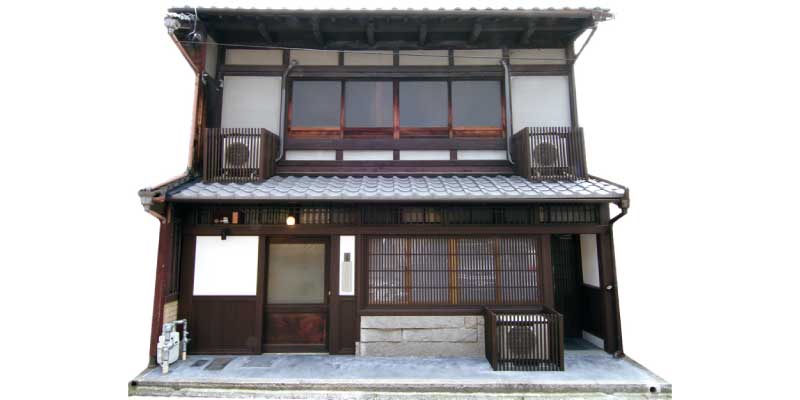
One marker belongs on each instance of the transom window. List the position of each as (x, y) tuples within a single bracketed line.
[(396, 108)]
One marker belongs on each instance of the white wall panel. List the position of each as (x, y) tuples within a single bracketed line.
[(251, 102), (367, 155), (226, 267), (540, 101), (253, 57), (424, 57), (369, 58), (308, 57), (482, 155), (424, 154), (487, 57), (537, 56), (590, 266), (310, 155), (347, 275)]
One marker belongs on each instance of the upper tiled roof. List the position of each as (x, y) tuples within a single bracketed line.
[(422, 188), (597, 12)]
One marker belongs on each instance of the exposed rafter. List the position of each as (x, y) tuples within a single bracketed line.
[(371, 33), (317, 32), (423, 34), (525, 38), (477, 27), (262, 30)]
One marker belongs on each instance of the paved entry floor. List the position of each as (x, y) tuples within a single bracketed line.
[(586, 371)]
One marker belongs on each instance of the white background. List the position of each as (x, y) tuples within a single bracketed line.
[(691, 104)]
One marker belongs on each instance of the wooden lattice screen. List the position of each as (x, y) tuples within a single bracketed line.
[(453, 270)]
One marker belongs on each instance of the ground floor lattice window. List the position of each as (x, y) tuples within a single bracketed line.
[(452, 270)]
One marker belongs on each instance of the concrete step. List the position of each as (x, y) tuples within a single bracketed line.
[(398, 391)]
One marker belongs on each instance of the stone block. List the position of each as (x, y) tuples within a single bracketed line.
[(440, 335), (381, 335), (429, 349), (412, 322)]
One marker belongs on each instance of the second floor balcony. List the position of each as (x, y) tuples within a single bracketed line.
[(252, 154)]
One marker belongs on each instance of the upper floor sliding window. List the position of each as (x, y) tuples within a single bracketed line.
[(396, 108), (316, 104)]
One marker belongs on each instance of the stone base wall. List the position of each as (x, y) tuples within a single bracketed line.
[(443, 336)]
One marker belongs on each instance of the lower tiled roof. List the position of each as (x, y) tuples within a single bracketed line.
[(414, 188)]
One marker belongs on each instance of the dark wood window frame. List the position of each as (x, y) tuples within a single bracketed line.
[(506, 287), (396, 131)]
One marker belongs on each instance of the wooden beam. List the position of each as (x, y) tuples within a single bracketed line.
[(371, 33), (477, 27), (262, 30), (317, 32), (525, 38)]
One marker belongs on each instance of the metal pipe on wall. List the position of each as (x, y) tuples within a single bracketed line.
[(507, 95), (282, 123)]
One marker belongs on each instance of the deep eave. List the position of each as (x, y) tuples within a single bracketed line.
[(396, 28)]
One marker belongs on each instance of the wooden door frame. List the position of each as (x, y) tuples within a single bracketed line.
[(263, 307), (186, 294)]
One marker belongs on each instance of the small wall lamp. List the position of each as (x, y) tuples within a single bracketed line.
[(290, 220)]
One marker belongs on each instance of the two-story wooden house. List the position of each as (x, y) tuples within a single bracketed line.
[(396, 182)]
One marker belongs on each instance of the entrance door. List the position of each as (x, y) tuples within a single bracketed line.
[(565, 252), (296, 311)]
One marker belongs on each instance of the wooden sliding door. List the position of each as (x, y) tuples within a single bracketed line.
[(223, 297), (296, 310)]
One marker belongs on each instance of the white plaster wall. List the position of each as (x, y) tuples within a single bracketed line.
[(308, 57), (251, 102), (212, 50), (494, 54), (482, 155), (225, 267), (310, 155), (367, 155), (424, 57), (369, 58), (424, 154), (540, 101), (537, 56), (253, 57), (347, 276), (590, 267)]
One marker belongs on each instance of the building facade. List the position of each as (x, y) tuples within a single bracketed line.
[(374, 182)]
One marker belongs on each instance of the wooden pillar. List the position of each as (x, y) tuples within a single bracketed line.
[(608, 285), (163, 263), (546, 271)]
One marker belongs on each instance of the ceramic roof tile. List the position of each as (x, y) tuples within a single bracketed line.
[(440, 188)]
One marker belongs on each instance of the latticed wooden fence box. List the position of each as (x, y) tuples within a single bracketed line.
[(525, 340)]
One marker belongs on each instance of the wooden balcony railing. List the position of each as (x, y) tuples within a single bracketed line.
[(239, 154), (530, 340), (549, 153)]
